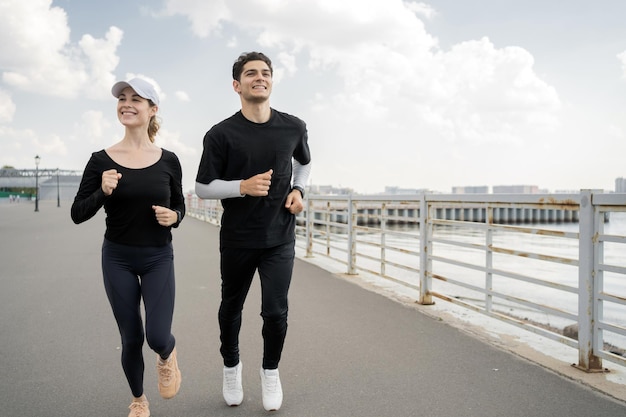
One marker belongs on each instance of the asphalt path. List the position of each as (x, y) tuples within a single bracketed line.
[(349, 351)]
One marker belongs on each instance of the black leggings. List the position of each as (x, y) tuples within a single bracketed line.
[(275, 266), (130, 274)]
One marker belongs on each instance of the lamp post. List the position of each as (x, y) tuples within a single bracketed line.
[(58, 192), (37, 159)]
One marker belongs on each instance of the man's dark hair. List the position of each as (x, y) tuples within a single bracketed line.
[(247, 57)]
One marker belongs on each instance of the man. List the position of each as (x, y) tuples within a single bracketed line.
[(249, 162)]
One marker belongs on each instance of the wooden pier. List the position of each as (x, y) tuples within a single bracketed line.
[(409, 215)]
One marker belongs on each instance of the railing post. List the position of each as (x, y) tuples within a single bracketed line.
[(489, 259), (425, 297), (587, 361), (352, 221), (383, 239), (309, 229)]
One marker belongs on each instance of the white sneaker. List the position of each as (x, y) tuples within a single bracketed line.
[(232, 388), (272, 390)]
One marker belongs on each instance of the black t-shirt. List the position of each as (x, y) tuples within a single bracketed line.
[(130, 218), (237, 149)]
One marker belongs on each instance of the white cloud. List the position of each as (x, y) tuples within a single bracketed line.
[(233, 42), (102, 59), (288, 61), (52, 146), (489, 92), (93, 131), (7, 107), (399, 95), (622, 59), (14, 143), (423, 9), (32, 31), (93, 126), (36, 53), (172, 141), (205, 16), (392, 68), (615, 132), (182, 96)]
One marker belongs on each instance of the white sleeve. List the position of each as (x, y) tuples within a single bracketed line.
[(301, 173), (219, 189)]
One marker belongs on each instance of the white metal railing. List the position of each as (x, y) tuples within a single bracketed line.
[(542, 262)]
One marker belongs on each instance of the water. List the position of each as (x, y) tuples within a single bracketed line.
[(563, 276)]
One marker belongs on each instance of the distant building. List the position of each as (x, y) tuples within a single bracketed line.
[(398, 190), (478, 189), (515, 189), (53, 184), (16, 178), (329, 190), (63, 187), (620, 185)]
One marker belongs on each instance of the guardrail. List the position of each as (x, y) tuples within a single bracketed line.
[(564, 280)]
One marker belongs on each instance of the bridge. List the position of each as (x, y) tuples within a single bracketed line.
[(352, 349), (52, 183)]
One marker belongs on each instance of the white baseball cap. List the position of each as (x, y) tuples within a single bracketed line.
[(142, 87)]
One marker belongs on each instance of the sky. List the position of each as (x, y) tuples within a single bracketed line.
[(412, 94)]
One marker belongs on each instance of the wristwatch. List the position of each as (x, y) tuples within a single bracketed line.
[(297, 187)]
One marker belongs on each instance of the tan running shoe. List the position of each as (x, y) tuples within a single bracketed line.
[(139, 407), (169, 376)]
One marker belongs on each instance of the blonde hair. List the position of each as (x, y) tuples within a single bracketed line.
[(153, 125)]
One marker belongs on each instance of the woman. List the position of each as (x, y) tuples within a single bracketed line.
[(140, 187)]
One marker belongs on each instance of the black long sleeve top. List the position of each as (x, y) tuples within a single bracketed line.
[(237, 148), (130, 219)]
